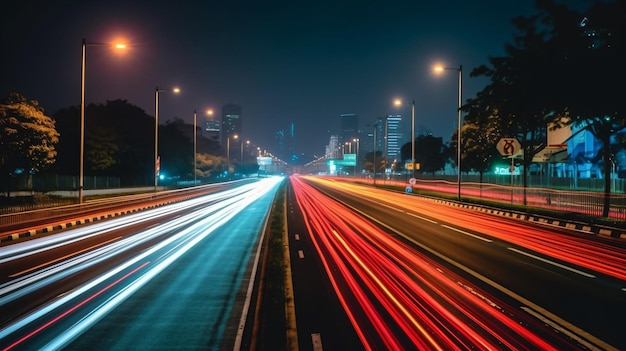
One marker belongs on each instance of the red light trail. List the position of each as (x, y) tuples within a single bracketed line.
[(396, 296)]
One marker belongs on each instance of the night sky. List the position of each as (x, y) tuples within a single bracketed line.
[(304, 62)]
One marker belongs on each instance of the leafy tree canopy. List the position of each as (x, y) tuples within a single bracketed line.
[(27, 136)]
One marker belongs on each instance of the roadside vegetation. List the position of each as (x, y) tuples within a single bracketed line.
[(271, 320)]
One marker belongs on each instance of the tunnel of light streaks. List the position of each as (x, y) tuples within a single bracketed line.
[(380, 279), (134, 273)]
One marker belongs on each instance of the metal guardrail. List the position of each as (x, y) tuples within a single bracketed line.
[(20, 219), (578, 201)]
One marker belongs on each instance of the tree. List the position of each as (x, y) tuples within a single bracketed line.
[(589, 66), (27, 136), (482, 129), (176, 149), (430, 153), (210, 166), (523, 84), (368, 162), (562, 69), (119, 141)]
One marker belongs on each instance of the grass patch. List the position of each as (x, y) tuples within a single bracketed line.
[(273, 324)]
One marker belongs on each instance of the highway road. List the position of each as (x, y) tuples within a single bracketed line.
[(412, 272), (176, 276)]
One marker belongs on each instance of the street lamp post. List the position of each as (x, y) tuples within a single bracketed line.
[(195, 138), (81, 177), (82, 125), (398, 102), (413, 137), (356, 161), (195, 132), (156, 134), (374, 156), (241, 156), (458, 133), (228, 149)]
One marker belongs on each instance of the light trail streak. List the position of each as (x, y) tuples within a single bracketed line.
[(87, 260), (395, 295), (62, 258), (595, 256), (185, 236), (74, 308), (32, 247)]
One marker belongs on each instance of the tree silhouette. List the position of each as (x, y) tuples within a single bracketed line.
[(27, 137)]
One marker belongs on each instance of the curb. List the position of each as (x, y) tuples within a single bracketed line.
[(6, 237), (582, 227)]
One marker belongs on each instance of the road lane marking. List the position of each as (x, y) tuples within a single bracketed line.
[(420, 217), (62, 258), (297, 236), (554, 325), (316, 339), (552, 262), (300, 253), (468, 234)]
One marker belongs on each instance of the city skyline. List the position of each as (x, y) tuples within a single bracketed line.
[(283, 62)]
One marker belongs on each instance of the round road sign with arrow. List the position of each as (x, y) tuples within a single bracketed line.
[(508, 146)]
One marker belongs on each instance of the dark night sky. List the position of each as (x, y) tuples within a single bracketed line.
[(301, 61)]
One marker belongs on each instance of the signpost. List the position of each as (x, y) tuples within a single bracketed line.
[(509, 147)]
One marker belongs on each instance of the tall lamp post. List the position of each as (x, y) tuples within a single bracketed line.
[(356, 161), (195, 138), (241, 159), (398, 102), (81, 176), (458, 133), (375, 145), (195, 132), (228, 148), (156, 133)]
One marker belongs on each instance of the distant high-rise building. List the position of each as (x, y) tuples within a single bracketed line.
[(231, 122), (212, 129), (394, 137), (280, 144), (349, 127), (333, 148), (293, 157)]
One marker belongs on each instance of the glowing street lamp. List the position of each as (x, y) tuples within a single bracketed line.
[(356, 162), (228, 148), (156, 133), (241, 160), (398, 102), (81, 177), (440, 69), (195, 137)]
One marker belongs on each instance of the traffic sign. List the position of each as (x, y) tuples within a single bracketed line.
[(508, 146)]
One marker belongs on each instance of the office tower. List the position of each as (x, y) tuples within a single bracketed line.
[(291, 148), (280, 144), (394, 137), (349, 127), (212, 129), (231, 122), (332, 149)]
